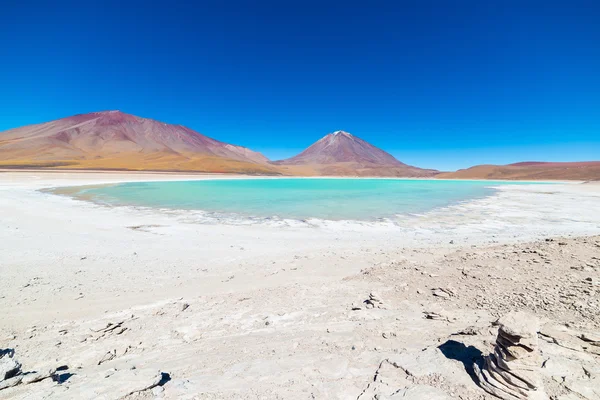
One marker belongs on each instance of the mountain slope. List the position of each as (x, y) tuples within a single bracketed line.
[(115, 140), (588, 170), (341, 153)]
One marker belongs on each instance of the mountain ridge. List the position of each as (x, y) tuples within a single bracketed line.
[(530, 170), (115, 140)]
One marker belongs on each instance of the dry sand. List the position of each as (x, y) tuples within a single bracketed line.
[(149, 304)]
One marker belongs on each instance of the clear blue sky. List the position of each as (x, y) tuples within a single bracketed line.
[(441, 84)]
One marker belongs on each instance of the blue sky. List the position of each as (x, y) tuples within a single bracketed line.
[(439, 84)]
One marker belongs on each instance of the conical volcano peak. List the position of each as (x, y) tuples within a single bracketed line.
[(340, 153), (342, 133), (341, 146)]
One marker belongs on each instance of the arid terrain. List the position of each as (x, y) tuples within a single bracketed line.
[(122, 303), (113, 140), (116, 140), (580, 171)]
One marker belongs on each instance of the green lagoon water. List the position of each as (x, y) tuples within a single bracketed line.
[(331, 199)]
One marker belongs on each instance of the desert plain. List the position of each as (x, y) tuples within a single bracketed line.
[(103, 302)]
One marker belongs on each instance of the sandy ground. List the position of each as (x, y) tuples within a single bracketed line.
[(275, 310)]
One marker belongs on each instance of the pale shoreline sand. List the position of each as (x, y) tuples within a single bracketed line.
[(269, 304)]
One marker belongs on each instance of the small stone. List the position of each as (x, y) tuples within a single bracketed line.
[(519, 325), (593, 338), (441, 293), (158, 390), (470, 330), (14, 381), (9, 366)]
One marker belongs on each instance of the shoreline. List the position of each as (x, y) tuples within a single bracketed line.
[(259, 176), (467, 212), (278, 297), (239, 218)]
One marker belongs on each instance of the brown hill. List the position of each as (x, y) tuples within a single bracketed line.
[(341, 154), (115, 140), (530, 170)]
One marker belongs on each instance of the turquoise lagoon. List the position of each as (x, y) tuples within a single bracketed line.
[(292, 198)]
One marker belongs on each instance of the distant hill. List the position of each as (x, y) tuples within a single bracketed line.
[(530, 170), (116, 140), (342, 154), (113, 140)]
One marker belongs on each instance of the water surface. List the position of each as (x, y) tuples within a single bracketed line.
[(293, 198)]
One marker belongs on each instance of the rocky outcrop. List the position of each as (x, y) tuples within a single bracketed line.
[(10, 369), (373, 301), (12, 375), (512, 372)]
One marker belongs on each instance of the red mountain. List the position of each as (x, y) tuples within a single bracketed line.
[(115, 140)]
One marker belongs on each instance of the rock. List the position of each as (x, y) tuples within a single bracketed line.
[(12, 375), (512, 372), (589, 389), (374, 301), (123, 382), (440, 293), (437, 312), (149, 385), (375, 297), (38, 376), (468, 331), (443, 293), (108, 356), (9, 366), (158, 390), (435, 316), (519, 325), (8, 338), (10, 369), (590, 337), (560, 336), (109, 327), (15, 380)]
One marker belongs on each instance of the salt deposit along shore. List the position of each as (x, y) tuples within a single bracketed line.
[(130, 303)]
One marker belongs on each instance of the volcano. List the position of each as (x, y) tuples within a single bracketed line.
[(343, 154)]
